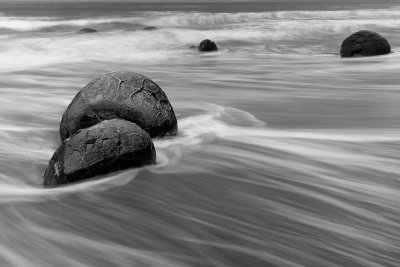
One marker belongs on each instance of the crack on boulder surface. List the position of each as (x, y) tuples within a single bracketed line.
[(89, 105), (119, 86), (118, 148), (137, 89), (57, 169), (156, 120), (80, 155)]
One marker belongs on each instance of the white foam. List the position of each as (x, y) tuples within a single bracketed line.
[(197, 18), (202, 19), (219, 122), (177, 31), (22, 53), (36, 23)]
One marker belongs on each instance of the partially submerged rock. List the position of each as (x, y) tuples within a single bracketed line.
[(150, 28), (364, 43), (87, 30), (125, 95), (108, 146), (207, 46)]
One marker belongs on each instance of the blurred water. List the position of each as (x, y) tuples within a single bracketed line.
[(287, 155)]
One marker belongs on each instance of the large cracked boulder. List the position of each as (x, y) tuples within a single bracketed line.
[(364, 43), (124, 95), (108, 146)]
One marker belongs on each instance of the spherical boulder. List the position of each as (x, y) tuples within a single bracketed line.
[(207, 46), (125, 95), (87, 30), (108, 146), (364, 43)]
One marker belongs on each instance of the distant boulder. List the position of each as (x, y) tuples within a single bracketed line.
[(207, 46), (193, 47), (124, 95), (105, 147), (364, 43), (149, 28), (87, 30)]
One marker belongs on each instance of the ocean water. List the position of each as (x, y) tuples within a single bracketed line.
[(287, 154)]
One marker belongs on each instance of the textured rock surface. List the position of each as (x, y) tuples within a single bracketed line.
[(108, 146), (87, 30), (207, 46), (125, 95), (364, 43)]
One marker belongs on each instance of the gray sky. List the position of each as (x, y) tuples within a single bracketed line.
[(143, 1)]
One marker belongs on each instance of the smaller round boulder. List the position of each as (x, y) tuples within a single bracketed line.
[(149, 28), (207, 46), (87, 30), (364, 43), (105, 147)]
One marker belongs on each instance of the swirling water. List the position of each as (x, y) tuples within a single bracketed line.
[(287, 155)]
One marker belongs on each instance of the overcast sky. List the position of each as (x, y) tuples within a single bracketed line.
[(143, 1)]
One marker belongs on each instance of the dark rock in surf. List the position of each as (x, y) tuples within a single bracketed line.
[(149, 29), (207, 46), (125, 95), (86, 30), (364, 43), (193, 47), (108, 146)]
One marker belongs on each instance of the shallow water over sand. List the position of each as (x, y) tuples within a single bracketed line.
[(287, 155)]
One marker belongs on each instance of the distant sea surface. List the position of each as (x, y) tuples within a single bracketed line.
[(287, 154)]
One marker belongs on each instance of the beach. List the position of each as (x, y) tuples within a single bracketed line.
[(286, 155)]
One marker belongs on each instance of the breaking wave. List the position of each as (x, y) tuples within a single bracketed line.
[(28, 42), (171, 19)]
